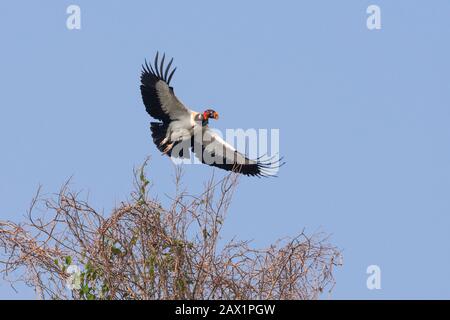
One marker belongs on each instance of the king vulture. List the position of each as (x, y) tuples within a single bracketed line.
[(180, 129)]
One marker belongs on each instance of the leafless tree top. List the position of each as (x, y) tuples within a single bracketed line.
[(67, 249)]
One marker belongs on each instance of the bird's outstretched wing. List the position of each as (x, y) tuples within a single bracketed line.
[(159, 98), (212, 150)]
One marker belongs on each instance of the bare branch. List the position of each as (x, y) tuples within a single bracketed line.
[(144, 251)]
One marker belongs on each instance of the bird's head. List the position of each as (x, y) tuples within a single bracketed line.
[(210, 113)]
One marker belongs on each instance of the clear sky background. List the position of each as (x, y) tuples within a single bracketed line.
[(363, 116)]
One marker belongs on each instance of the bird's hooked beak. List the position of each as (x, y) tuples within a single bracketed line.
[(210, 114)]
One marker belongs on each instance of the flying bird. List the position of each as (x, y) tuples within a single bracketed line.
[(181, 130)]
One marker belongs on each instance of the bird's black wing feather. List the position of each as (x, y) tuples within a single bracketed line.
[(214, 151), (158, 97)]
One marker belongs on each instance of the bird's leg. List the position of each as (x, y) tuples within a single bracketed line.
[(168, 148), (164, 141)]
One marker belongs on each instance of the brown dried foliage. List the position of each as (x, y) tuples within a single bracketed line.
[(144, 251)]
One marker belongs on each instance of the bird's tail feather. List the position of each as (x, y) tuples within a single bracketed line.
[(159, 132)]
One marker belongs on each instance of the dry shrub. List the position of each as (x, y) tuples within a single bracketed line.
[(144, 251)]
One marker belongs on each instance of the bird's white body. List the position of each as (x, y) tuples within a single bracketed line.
[(183, 129)]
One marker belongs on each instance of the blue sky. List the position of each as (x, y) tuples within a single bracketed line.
[(363, 117)]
